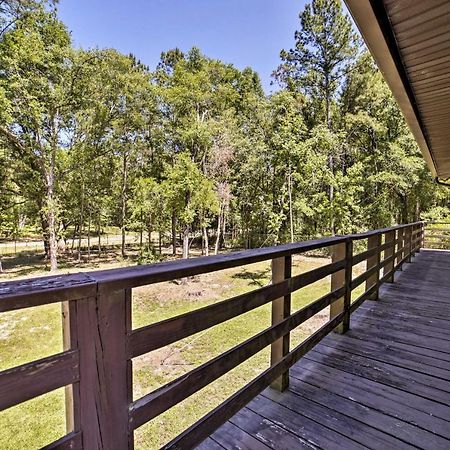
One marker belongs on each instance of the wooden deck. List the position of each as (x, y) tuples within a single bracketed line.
[(383, 385)]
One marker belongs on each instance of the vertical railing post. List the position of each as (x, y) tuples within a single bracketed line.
[(372, 243), (422, 235), (281, 308), (414, 230), (70, 342), (421, 227), (338, 253), (348, 283), (389, 253), (401, 234), (419, 237), (102, 325), (408, 240)]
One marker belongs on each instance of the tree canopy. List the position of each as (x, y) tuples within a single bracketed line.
[(194, 147)]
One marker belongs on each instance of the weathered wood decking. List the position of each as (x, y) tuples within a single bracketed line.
[(383, 385)]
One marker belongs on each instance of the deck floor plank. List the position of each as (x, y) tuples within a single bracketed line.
[(375, 394), (384, 384), (395, 356)]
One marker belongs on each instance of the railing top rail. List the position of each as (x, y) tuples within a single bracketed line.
[(366, 234), (43, 290)]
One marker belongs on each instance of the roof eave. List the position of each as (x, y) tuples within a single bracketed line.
[(370, 28)]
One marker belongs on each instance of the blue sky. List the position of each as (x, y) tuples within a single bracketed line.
[(242, 32)]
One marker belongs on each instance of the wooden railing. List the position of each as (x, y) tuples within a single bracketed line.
[(437, 235), (96, 366)]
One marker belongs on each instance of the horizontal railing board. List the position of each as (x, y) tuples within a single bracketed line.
[(388, 244), (160, 334), (153, 404), (210, 422), (370, 233), (71, 441), (38, 291), (45, 290), (360, 257), (140, 275), (366, 294), (27, 381), (363, 297), (363, 256), (364, 276)]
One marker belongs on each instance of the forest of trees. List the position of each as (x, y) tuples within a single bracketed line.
[(194, 147)]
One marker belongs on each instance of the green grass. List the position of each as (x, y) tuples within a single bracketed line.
[(36, 332), (27, 335), (157, 368)]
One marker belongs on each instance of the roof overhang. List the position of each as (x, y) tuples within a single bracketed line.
[(410, 41)]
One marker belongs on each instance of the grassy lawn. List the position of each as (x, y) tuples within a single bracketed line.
[(36, 332)]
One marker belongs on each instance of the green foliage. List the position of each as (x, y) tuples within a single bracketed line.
[(188, 191), (91, 138)]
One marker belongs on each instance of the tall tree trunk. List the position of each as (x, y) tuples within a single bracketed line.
[(186, 241), (331, 197), (99, 232), (330, 156), (291, 218), (160, 242), (53, 245), (63, 227), (141, 235), (206, 241), (51, 201), (149, 236), (405, 209), (124, 201), (44, 224), (75, 230), (51, 219), (219, 228), (174, 233), (224, 227), (89, 235), (81, 226)]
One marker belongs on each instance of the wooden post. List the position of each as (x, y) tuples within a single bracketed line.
[(419, 237), (281, 308), (373, 242), (422, 235), (102, 325), (338, 252), (414, 229), (348, 284), (389, 252), (70, 342), (401, 234), (408, 240)]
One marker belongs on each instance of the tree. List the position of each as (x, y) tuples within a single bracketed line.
[(149, 210), (190, 194), (38, 68), (90, 138), (325, 48)]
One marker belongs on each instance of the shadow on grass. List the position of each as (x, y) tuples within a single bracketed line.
[(27, 264), (257, 277)]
